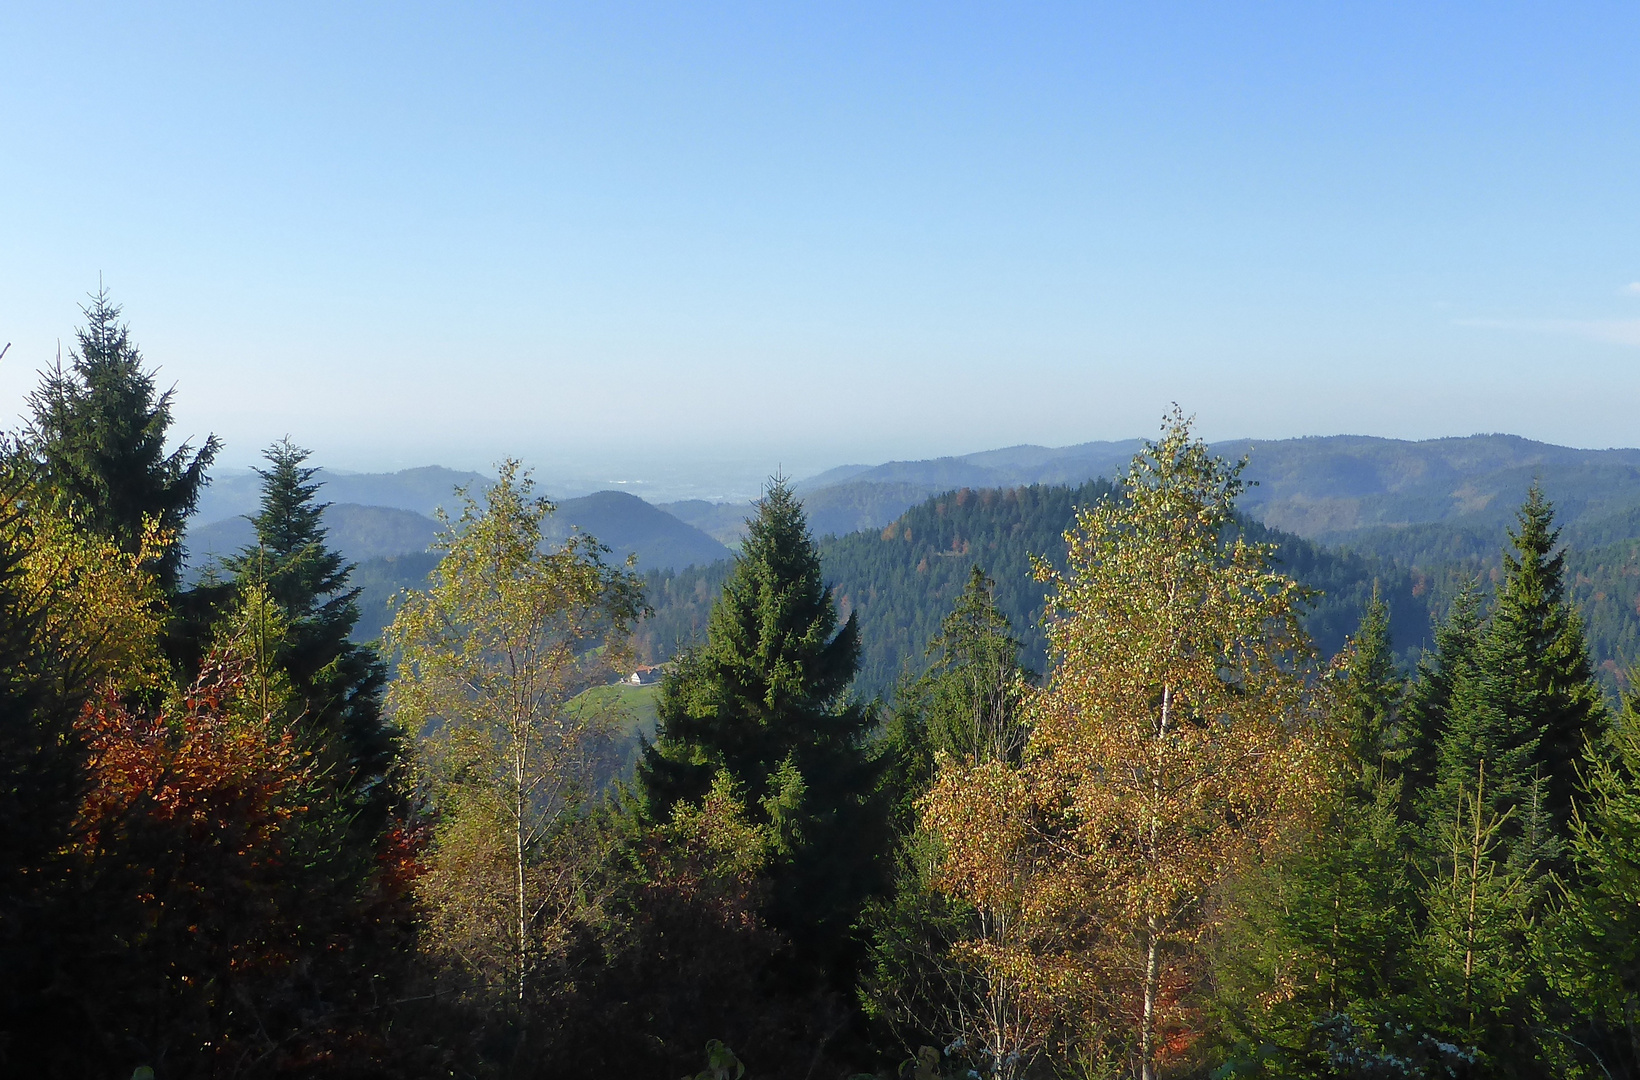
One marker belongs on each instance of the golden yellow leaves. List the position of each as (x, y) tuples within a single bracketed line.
[(98, 604), (1172, 739)]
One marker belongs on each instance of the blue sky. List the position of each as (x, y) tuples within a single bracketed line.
[(629, 237)]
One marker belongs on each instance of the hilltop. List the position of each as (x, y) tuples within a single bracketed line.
[(1331, 488)]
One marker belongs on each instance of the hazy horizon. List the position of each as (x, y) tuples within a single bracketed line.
[(639, 233), (720, 480)]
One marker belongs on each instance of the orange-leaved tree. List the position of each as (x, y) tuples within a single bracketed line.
[(185, 842), (1173, 737)]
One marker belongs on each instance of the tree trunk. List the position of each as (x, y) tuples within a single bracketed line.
[(518, 860), (1147, 1029), (1147, 1035)]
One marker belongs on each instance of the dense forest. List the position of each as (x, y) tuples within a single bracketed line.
[(1038, 780), (902, 580)]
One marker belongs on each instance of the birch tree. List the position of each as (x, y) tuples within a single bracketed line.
[(1168, 744), (491, 656)]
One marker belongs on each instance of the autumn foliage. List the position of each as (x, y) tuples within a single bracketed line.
[(1171, 741), (202, 856)]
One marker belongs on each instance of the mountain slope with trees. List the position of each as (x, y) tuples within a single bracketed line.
[(900, 580)]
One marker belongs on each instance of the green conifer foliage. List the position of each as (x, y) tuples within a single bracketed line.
[(1372, 690), (764, 700), (1478, 899), (965, 706), (967, 703), (1525, 708), (1594, 938), (1429, 699), (1325, 929), (1496, 815), (976, 680), (99, 432), (1537, 658), (336, 685)]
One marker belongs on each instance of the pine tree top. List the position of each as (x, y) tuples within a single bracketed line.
[(1373, 686), (1534, 586), (776, 623), (291, 556), (99, 430)]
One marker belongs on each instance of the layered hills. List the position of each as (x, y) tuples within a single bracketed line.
[(900, 581), (1333, 488), (1421, 518)]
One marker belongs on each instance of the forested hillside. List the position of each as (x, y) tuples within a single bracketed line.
[(1332, 488), (901, 580)]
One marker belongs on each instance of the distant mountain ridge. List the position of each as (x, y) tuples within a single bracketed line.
[(421, 490), (900, 581), (358, 532), (628, 525), (1434, 509), (1330, 488), (389, 545)]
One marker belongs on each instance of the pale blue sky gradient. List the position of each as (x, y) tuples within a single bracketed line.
[(672, 235)]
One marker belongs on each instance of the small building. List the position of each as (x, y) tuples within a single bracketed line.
[(644, 676)]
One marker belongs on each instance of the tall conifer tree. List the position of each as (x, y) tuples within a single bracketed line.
[(764, 701), (1372, 691), (336, 684), (1327, 921), (1497, 814), (966, 707), (1430, 697), (99, 430), (967, 704), (1594, 936), (1537, 658), (1525, 708)]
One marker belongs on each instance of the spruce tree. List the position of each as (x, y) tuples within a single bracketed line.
[(1537, 658), (1429, 699), (967, 703), (966, 707), (764, 700), (1371, 691), (1478, 979), (1497, 814), (1593, 938), (1525, 708), (336, 684), (1328, 920), (98, 431)]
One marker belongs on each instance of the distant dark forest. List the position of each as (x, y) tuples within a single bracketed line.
[(902, 580)]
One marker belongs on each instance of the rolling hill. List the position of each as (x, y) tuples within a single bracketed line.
[(1422, 517), (422, 490), (901, 580), (631, 526), (1337, 489), (358, 532), (625, 523)]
